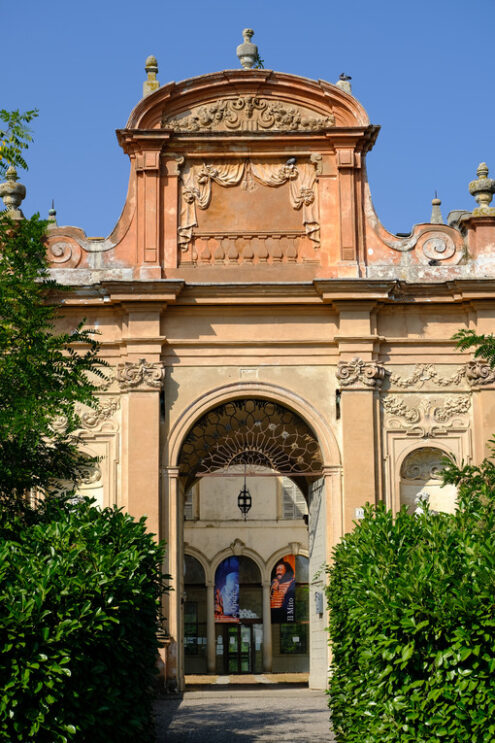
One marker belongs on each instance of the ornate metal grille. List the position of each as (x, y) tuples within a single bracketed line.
[(252, 432)]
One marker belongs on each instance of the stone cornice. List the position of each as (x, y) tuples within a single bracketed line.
[(340, 293)]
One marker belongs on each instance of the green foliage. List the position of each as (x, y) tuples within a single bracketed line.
[(259, 64), (79, 598), (15, 136), (484, 344), (412, 621), (44, 374)]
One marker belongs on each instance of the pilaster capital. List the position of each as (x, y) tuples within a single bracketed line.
[(479, 374), (360, 375), (140, 375)]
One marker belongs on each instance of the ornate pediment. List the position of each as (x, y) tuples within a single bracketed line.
[(247, 113)]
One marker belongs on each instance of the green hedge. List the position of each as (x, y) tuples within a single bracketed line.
[(79, 598), (412, 623)]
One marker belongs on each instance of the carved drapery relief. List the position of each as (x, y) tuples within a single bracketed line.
[(423, 464), (142, 374), (360, 374), (248, 114), (429, 417), (196, 183)]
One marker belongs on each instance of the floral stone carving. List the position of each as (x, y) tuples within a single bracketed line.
[(141, 374), (359, 373), (248, 113), (427, 418)]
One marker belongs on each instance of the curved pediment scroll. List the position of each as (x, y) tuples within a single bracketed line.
[(247, 113)]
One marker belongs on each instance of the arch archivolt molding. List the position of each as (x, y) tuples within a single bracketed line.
[(293, 548), (326, 438), (238, 548), (201, 558)]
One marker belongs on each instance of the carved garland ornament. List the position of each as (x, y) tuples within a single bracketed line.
[(248, 113), (426, 373), (140, 374), (370, 374)]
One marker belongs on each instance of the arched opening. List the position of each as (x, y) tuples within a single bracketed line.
[(421, 478), (257, 620), (238, 616), (195, 613)]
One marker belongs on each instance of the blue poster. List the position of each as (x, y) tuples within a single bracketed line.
[(227, 590)]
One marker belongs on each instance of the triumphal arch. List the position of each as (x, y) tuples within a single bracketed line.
[(277, 357)]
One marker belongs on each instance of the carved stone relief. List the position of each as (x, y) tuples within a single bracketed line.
[(429, 417), (360, 374), (248, 113), (142, 374), (424, 373), (95, 419), (196, 190), (479, 373), (423, 464), (92, 419), (473, 374), (63, 252)]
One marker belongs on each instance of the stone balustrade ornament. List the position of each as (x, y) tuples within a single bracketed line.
[(142, 374), (12, 192)]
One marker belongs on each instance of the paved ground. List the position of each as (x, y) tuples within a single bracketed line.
[(244, 714)]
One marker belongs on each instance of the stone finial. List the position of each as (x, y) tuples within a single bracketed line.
[(344, 83), (12, 193), (436, 214), (483, 189), (151, 68), (52, 215), (247, 51)]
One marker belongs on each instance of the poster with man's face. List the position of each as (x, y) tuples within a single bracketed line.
[(283, 590), (227, 590)]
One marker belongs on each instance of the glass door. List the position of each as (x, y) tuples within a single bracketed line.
[(238, 648)]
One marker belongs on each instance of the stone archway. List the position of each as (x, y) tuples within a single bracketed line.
[(253, 431)]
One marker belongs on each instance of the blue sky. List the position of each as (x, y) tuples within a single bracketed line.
[(423, 70)]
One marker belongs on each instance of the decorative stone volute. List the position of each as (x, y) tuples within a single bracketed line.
[(151, 68), (12, 193), (247, 51), (483, 189)]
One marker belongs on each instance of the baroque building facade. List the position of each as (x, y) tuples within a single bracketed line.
[(264, 329)]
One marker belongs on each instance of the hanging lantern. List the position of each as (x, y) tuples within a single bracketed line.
[(244, 500)]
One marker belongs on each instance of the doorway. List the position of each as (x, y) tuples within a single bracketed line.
[(242, 648)]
